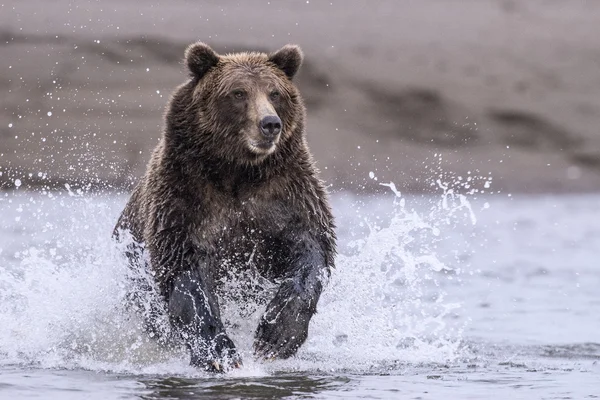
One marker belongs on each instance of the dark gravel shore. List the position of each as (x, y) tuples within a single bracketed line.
[(411, 91)]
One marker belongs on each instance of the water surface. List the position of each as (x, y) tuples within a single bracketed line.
[(433, 297)]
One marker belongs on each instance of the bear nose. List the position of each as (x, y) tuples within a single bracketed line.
[(270, 126)]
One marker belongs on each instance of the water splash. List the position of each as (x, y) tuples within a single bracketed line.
[(385, 304), (64, 282)]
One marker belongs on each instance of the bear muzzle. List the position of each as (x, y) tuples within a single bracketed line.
[(268, 136), (270, 127)]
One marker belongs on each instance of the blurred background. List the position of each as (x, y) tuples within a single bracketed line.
[(402, 91)]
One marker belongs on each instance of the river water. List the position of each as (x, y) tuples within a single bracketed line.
[(439, 296)]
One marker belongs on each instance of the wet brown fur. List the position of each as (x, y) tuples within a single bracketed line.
[(208, 197)]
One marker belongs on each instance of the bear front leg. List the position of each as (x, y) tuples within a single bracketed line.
[(186, 282), (194, 311), (284, 326)]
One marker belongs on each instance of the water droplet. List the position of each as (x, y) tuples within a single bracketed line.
[(49, 113), (17, 182)]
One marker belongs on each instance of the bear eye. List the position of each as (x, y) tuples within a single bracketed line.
[(239, 94), (275, 95)]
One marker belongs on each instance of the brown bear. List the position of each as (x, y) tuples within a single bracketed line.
[(232, 183)]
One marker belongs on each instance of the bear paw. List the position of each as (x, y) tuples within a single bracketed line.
[(217, 356), (281, 331)]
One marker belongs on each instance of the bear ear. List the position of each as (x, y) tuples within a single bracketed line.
[(288, 59), (199, 58)]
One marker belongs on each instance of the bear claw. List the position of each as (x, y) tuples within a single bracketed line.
[(222, 366)]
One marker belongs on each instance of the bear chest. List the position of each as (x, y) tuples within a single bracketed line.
[(242, 232)]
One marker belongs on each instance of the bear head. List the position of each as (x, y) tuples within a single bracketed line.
[(241, 107)]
